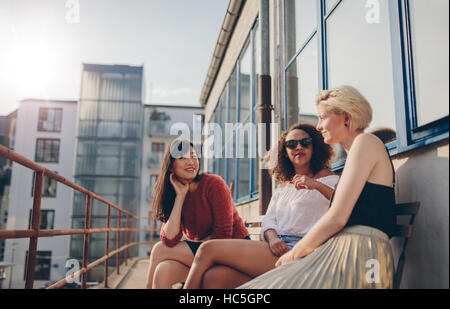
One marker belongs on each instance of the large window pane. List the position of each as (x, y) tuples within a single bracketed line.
[(429, 31), (47, 150), (50, 119), (303, 85), (230, 145), (245, 84), (301, 21), (359, 54), (329, 5)]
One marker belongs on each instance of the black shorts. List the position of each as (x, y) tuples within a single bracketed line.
[(194, 245)]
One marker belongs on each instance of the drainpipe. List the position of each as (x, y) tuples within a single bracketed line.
[(264, 109)]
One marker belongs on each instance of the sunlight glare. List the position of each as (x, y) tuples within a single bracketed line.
[(33, 65)]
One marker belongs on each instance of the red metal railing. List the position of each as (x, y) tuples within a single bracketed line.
[(34, 233)]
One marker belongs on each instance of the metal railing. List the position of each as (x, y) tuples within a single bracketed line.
[(34, 232)]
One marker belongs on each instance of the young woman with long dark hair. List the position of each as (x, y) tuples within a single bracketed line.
[(198, 206)]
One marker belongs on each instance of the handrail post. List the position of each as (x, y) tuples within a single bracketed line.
[(126, 240), (118, 241), (132, 235), (87, 226), (35, 222), (108, 223)]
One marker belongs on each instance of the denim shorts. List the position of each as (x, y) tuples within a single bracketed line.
[(290, 240)]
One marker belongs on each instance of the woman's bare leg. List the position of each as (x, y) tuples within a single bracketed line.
[(250, 257), (223, 277), (160, 252), (169, 272)]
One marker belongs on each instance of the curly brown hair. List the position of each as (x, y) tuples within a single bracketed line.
[(321, 156)]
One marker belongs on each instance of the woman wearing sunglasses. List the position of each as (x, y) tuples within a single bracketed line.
[(348, 247), (302, 197), (199, 206)]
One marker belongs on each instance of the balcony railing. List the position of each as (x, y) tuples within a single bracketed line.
[(158, 128), (154, 160), (35, 233)]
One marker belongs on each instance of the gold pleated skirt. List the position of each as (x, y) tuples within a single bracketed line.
[(358, 257)]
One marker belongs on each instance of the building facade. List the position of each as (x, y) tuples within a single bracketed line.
[(44, 133), (108, 152), (394, 52), (162, 124)]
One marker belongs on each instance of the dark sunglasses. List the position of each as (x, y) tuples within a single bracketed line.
[(304, 142)]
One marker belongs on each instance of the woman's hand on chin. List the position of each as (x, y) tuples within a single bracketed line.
[(181, 188)]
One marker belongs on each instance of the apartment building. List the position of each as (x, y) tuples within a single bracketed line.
[(45, 133)]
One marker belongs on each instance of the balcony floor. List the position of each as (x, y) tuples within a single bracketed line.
[(136, 276)]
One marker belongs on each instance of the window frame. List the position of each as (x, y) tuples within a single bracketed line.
[(52, 224), (251, 118), (39, 274), (40, 121), (46, 180), (52, 140), (409, 135)]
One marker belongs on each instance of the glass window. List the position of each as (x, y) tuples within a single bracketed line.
[(46, 219), (329, 5), (301, 22), (47, 150), (153, 179), (230, 145), (156, 155), (111, 110), (223, 120), (48, 186), (429, 38), (112, 86), (50, 119), (43, 263), (302, 82), (359, 54), (109, 129), (245, 84)]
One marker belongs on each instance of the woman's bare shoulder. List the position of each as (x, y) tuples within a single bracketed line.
[(324, 173), (369, 144)]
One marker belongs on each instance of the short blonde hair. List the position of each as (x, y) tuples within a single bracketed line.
[(347, 99)]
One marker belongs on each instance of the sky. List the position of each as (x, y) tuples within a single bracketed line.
[(43, 44)]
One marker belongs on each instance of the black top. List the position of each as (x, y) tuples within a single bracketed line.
[(375, 207)]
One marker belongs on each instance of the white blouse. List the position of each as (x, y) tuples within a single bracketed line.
[(294, 212)]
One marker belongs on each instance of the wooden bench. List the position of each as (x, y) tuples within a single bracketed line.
[(253, 225), (402, 231)]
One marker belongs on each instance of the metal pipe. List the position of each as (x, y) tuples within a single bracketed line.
[(108, 222), (35, 222), (265, 104), (13, 234), (118, 244), (87, 225)]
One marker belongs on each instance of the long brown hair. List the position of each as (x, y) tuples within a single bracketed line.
[(321, 156), (164, 193)]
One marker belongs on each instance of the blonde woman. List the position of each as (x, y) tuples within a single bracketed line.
[(349, 246)]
